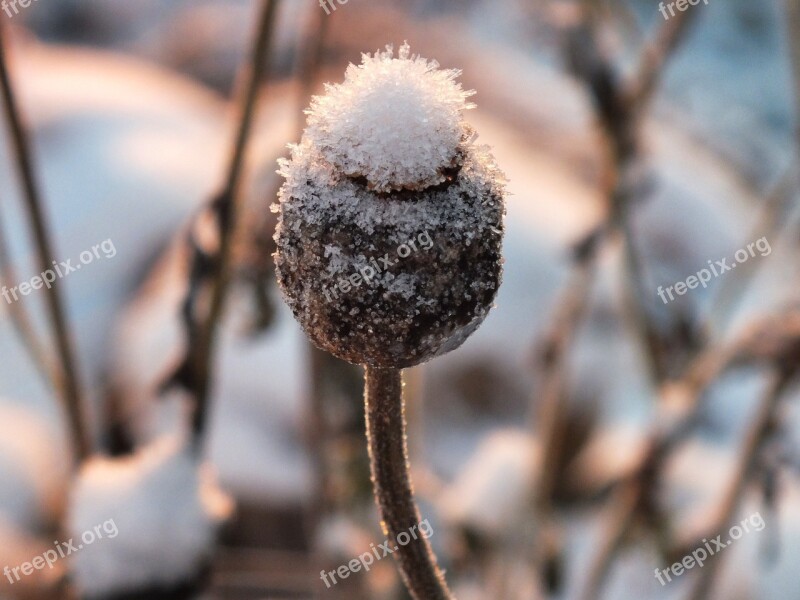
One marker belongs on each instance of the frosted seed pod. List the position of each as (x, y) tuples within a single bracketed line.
[(391, 217)]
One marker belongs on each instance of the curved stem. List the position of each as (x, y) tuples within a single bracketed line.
[(70, 386), (388, 452)]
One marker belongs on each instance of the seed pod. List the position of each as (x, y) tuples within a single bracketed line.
[(391, 217)]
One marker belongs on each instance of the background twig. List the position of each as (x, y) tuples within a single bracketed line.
[(758, 432), (22, 322), (70, 388), (211, 263)]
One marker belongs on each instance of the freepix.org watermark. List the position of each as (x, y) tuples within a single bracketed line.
[(681, 5), (716, 268), (105, 249), (366, 560), (49, 558), (330, 5), (700, 554), (8, 5), (369, 272)]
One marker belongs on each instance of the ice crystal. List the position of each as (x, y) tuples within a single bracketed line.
[(397, 122)]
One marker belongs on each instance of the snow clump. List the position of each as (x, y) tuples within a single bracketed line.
[(155, 516), (397, 122)]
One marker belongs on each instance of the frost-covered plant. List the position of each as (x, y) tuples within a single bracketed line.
[(387, 157)]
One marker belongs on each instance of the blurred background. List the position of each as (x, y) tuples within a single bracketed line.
[(586, 436)]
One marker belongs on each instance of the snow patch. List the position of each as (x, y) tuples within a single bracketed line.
[(167, 509)]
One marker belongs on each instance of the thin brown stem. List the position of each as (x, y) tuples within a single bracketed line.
[(310, 57), (793, 22), (22, 322), (655, 55), (572, 308), (756, 435), (671, 427), (776, 214), (70, 388), (640, 301), (615, 528), (228, 207), (388, 451)]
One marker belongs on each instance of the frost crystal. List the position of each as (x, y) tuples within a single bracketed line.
[(397, 122)]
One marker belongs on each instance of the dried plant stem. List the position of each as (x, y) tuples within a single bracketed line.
[(615, 528), (310, 57), (640, 300), (227, 207), (755, 437), (667, 432), (655, 56), (70, 387), (550, 397), (779, 206), (793, 22), (623, 108), (386, 435), (775, 218), (23, 324)]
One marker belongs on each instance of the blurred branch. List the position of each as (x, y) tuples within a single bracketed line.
[(70, 389), (320, 364), (773, 341), (22, 322), (619, 106), (760, 429), (793, 22), (546, 419), (655, 56), (779, 203), (553, 356), (672, 425), (211, 260), (775, 218), (617, 113), (310, 58)]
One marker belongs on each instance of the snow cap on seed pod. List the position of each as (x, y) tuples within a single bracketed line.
[(391, 216)]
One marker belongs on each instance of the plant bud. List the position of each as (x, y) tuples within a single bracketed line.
[(391, 217)]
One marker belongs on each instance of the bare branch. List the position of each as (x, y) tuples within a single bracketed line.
[(70, 388)]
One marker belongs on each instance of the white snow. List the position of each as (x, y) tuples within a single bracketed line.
[(166, 508), (492, 489), (396, 121)]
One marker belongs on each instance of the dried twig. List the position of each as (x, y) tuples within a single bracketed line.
[(22, 322), (772, 341), (70, 387), (210, 263), (775, 218), (655, 56), (311, 58), (760, 428), (618, 107), (550, 395)]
